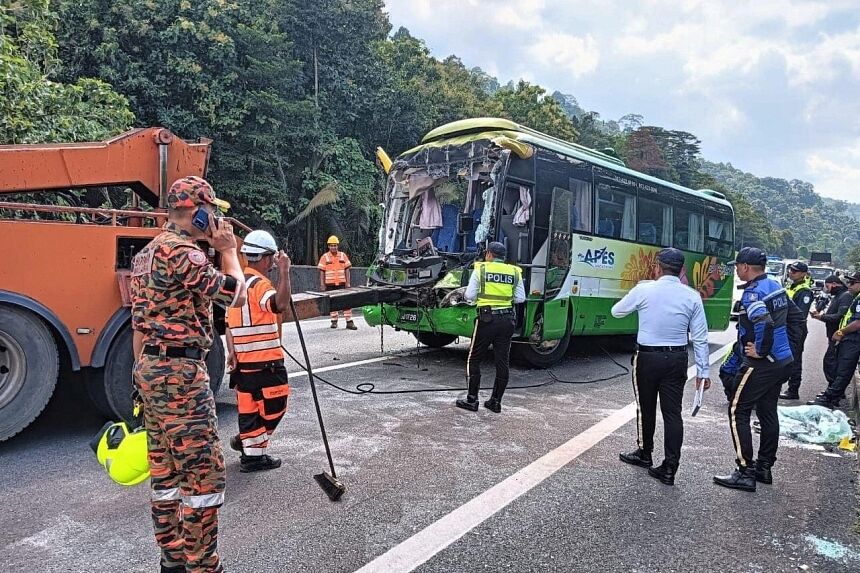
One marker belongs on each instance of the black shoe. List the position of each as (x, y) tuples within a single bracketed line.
[(334, 324), (824, 401), (789, 395), (350, 325), (763, 473), (236, 444), (176, 569), (262, 463), (639, 458), (664, 472), (469, 403), (742, 479), (493, 405)]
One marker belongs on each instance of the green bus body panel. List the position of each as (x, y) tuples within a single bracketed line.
[(555, 313)]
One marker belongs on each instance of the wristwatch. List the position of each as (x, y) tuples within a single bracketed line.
[(840, 333)]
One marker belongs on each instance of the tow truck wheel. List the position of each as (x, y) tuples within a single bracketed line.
[(29, 365), (433, 339), (541, 354), (115, 379)]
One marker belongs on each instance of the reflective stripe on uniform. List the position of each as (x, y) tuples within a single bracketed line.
[(255, 441), (265, 300), (171, 494), (252, 330), (261, 345), (202, 501), (735, 437)]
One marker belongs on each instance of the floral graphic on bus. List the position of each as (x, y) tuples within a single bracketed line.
[(639, 267), (706, 277)]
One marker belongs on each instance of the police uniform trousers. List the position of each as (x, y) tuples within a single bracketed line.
[(185, 461), (796, 374), (847, 355), (830, 362), (757, 387), (496, 328), (261, 397), (662, 374)]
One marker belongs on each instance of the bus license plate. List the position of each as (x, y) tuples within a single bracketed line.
[(410, 316)]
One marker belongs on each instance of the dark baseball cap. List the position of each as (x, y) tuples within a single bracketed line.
[(798, 266), (498, 249), (853, 277), (671, 257), (833, 279), (751, 256)]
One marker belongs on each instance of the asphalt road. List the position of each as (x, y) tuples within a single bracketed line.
[(413, 461)]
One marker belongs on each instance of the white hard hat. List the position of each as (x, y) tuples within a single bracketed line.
[(259, 243)]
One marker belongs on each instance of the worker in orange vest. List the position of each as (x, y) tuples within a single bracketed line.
[(254, 354), (334, 274)]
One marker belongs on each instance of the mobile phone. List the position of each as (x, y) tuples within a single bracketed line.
[(201, 219)]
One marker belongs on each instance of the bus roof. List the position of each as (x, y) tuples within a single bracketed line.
[(468, 130)]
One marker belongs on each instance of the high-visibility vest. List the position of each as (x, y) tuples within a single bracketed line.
[(795, 288), (852, 308), (255, 326), (497, 283), (335, 267)]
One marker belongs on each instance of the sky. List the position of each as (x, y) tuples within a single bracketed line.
[(770, 86)]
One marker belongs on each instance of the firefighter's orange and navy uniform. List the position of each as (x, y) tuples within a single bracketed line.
[(260, 378), (335, 268)]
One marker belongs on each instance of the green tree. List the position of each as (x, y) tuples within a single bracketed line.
[(528, 104)]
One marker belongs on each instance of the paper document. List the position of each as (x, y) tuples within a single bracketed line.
[(698, 397)]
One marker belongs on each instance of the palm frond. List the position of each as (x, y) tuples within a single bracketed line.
[(325, 196)]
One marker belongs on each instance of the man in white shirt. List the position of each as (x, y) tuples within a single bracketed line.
[(668, 310)]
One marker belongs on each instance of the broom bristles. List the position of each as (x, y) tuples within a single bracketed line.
[(332, 486)]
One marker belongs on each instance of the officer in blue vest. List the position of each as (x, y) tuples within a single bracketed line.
[(494, 287), (761, 360)]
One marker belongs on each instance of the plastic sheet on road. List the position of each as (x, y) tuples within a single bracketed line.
[(813, 424)]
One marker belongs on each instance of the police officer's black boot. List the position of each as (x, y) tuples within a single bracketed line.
[(762, 472), (789, 394), (742, 479), (493, 405), (639, 457), (665, 472), (469, 403), (825, 401)]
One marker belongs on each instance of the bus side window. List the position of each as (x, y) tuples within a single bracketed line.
[(616, 213), (689, 218), (654, 211), (719, 236)]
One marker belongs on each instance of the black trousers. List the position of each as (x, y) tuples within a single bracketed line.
[(757, 387), (498, 331), (830, 362), (796, 374), (663, 375), (847, 356)]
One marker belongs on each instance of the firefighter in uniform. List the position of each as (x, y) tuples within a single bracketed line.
[(846, 341), (255, 357), (754, 372), (800, 293), (334, 268), (495, 287), (173, 286), (840, 301)]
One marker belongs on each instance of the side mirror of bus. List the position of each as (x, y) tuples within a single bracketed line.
[(465, 223)]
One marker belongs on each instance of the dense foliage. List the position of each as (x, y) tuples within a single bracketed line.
[(297, 95)]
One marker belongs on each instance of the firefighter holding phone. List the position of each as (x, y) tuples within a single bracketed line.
[(173, 286)]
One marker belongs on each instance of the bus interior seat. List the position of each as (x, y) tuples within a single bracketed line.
[(517, 238), (682, 239), (648, 233), (471, 247), (445, 238), (606, 228)]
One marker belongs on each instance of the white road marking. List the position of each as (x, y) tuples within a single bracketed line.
[(419, 548)]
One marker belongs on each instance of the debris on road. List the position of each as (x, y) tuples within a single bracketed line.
[(813, 424)]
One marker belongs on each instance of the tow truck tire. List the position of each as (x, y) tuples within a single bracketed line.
[(541, 355), (433, 339), (29, 365), (116, 378)]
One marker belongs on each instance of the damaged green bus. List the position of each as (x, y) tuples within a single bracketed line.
[(583, 227)]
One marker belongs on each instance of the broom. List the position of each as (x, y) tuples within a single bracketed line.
[(332, 486)]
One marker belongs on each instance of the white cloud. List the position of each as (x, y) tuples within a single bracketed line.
[(837, 171), (579, 56)]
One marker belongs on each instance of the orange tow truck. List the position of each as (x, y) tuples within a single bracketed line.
[(64, 270)]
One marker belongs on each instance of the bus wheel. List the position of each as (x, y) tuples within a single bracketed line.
[(541, 354), (433, 339), (116, 378), (29, 365)]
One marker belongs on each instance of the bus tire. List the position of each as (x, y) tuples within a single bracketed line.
[(29, 365), (434, 339), (541, 355), (116, 376)]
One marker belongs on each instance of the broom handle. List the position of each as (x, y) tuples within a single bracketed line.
[(313, 386)]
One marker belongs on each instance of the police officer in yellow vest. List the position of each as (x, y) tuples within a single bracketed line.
[(494, 287)]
